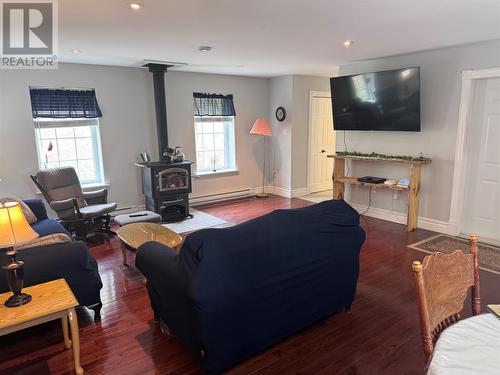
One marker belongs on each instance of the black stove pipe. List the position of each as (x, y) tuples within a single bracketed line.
[(159, 71)]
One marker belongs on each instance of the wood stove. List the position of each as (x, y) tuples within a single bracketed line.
[(165, 184), (166, 187)]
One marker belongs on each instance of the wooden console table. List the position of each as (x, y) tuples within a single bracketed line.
[(340, 179)]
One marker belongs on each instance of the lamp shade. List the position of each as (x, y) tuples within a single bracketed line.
[(14, 229), (261, 127)]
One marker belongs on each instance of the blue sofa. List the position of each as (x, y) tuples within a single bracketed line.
[(71, 261), (231, 292), (44, 226)]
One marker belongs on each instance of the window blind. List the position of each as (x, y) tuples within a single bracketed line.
[(64, 103), (213, 105)]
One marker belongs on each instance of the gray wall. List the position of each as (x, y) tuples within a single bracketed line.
[(251, 101), (128, 126), (279, 175), (291, 137), (440, 95)]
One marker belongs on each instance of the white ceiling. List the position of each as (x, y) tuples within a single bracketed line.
[(267, 37)]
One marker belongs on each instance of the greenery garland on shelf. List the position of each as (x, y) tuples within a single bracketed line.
[(381, 156)]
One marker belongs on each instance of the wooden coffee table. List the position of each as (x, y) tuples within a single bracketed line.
[(50, 301), (134, 235)]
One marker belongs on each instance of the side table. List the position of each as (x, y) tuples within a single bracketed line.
[(50, 301)]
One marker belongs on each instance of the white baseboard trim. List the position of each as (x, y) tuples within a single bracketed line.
[(221, 197), (400, 217), (287, 193)]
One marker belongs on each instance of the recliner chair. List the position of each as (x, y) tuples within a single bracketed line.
[(79, 212)]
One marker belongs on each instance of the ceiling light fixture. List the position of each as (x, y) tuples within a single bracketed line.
[(76, 51), (136, 6), (348, 43), (204, 48)]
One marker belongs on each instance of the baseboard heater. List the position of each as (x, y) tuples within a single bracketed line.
[(214, 198)]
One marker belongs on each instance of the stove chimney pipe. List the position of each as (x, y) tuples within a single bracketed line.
[(159, 71)]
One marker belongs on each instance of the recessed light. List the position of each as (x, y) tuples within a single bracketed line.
[(136, 6), (76, 51), (348, 43), (204, 48)]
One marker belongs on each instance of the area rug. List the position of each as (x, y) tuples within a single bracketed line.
[(199, 221), (318, 197), (489, 255)]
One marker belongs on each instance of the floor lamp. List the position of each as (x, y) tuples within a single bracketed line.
[(261, 127)]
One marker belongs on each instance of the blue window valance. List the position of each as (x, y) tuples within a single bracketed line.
[(64, 103), (213, 105)]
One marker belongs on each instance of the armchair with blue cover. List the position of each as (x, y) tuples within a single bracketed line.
[(71, 261)]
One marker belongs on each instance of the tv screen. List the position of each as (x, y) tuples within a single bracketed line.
[(388, 100)]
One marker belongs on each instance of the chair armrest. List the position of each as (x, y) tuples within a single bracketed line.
[(36, 205), (96, 196)]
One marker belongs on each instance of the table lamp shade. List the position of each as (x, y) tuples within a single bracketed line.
[(14, 228), (261, 127)]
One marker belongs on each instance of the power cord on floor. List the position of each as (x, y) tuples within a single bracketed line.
[(369, 201)]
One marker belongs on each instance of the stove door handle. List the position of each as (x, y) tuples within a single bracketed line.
[(173, 201)]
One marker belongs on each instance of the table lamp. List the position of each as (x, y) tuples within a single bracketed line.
[(14, 231), (261, 127)]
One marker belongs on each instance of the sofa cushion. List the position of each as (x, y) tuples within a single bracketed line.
[(48, 226), (51, 239)]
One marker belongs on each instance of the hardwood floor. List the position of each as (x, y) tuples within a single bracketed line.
[(380, 336)]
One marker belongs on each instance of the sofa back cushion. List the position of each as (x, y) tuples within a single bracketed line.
[(61, 184), (273, 275)]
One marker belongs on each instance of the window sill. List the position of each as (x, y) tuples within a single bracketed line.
[(216, 173)]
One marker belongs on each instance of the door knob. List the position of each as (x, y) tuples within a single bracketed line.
[(323, 151)]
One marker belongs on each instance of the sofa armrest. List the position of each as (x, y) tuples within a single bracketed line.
[(157, 262), (71, 261), (36, 205), (169, 288), (96, 196)]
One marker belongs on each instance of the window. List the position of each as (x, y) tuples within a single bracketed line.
[(214, 130), (214, 143), (71, 142), (67, 131)]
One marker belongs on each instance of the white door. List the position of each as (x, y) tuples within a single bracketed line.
[(482, 192), (321, 143)]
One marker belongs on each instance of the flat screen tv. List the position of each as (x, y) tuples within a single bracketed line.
[(388, 100)]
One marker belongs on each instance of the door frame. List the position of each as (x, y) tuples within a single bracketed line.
[(461, 150), (313, 94)]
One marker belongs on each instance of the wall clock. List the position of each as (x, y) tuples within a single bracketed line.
[(280, 114)]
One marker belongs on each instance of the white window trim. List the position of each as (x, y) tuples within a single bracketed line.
[(221, 171), (96, 139), (229, 147)]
